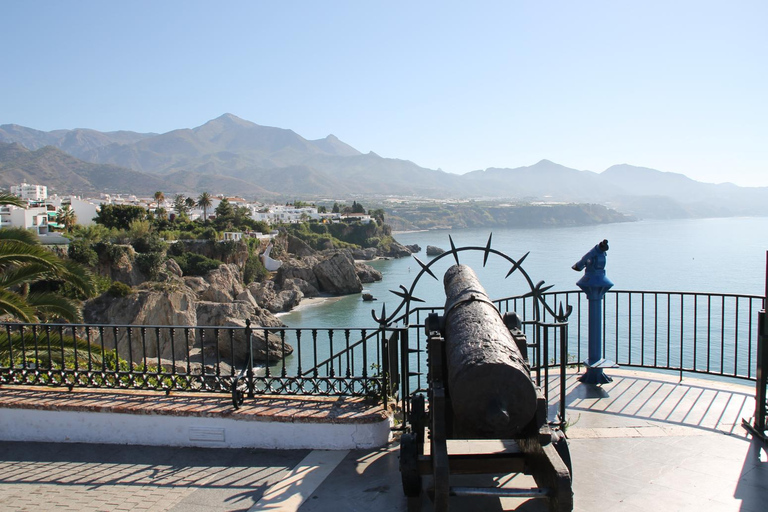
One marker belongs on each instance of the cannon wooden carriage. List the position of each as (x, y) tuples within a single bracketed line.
[(483, 413)]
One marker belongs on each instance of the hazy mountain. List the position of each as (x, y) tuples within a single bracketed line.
[(63, 173), (232, 155), (544, 180), (75, 142)]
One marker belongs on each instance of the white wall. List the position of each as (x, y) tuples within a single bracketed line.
[(167, 430)]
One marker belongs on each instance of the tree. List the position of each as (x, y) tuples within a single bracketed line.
[(204, 202), (190, 202), (66, 216), (23, 263), (377, 214), (224, 209), (119, 216), (336, 208), (159, 197), (180, 205)]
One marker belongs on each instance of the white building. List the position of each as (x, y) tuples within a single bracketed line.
[(35, 218), (286, 214), (29, 192), (85, 209)]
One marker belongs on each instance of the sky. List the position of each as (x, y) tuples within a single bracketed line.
[(679, 86)]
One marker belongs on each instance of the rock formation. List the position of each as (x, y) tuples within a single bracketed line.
[(337, 275), (366, 273), (434, 251)]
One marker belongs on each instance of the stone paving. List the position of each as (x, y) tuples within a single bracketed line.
[(642, 442), (58, 476)]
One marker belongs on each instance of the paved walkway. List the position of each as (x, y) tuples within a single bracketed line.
[(643, 442)]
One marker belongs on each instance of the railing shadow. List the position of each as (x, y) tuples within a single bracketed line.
[(662, 400)]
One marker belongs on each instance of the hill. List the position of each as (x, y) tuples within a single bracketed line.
[(232, 155)]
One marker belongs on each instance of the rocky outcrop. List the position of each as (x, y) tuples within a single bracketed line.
[(173, 268), (232, 343), (366, 254), (434, 251), (414, 248), (299, 247), (145, 307), (366, 273), (337, 275), (268, 296), (304, 287), (395, 250), (301, 270), (224, 284), (117, 262), (186, 302)]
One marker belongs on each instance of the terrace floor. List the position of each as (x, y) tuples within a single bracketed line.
[(643, 442)]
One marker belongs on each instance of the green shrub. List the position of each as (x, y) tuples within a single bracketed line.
[(118, 289), (82, 252), (254, 270), (149, 263), (149, 243), (110, 252), (193, 264)]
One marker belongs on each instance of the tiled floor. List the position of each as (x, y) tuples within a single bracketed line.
[(643, 442)]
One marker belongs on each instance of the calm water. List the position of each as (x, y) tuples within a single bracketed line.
[(714, 255)]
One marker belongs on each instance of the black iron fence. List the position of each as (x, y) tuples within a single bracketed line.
[(184, 358), (687, 333), (698, 333)]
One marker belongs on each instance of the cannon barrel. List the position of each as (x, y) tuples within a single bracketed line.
[(489, 383)]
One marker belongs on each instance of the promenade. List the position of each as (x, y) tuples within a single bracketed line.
[(643, 442)]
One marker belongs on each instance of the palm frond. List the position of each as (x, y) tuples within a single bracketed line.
[(79, 277), (11, 200), (21, 235), (14, 305), (28, 273), (13, 252), (55, 305)]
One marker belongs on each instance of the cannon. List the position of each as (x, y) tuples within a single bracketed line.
[(483, 414)]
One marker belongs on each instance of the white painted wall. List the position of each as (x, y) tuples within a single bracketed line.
[(162, 430)]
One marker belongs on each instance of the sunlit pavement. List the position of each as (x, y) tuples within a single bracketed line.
[(643, 442)]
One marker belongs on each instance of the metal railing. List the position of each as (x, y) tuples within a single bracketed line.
[(687, 333), (327, 362), (698, 333), (200, 358)]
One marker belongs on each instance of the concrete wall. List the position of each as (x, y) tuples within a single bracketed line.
[(168, 430)]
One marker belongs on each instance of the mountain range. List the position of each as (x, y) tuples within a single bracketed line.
[(234, 156)]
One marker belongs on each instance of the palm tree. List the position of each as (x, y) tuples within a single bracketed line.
[(23, 262), (159, 198), (11, 200), (204, 202), (66, 216)]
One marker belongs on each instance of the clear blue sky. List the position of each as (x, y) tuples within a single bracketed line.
[(679, 86)]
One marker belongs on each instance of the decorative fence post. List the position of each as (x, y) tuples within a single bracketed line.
[(249, 374)]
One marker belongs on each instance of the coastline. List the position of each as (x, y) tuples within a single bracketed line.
[(310, 302)]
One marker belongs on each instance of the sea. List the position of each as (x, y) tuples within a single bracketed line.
[(722, 255)]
